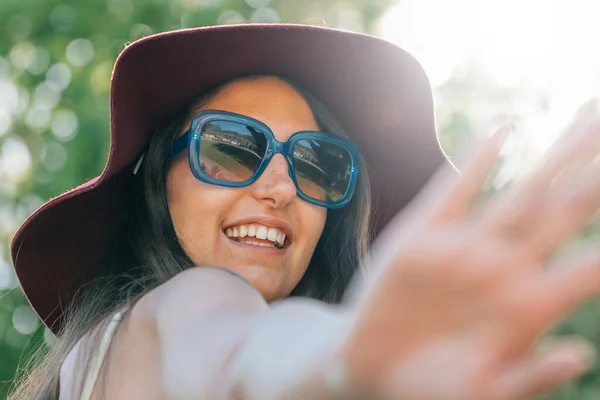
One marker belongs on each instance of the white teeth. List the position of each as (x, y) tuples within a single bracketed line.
[(261, 232), (272, 235), (261, 244)]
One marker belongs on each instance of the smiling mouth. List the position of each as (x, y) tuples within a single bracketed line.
[(257, 235)]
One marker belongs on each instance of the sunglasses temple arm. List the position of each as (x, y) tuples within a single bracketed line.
[(180, 144)]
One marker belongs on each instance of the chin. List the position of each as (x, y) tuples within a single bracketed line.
[(267, 280)]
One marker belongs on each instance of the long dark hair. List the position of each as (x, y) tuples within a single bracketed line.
[(147, 252)]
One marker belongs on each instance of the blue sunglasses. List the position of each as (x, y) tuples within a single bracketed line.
[(233, 150)]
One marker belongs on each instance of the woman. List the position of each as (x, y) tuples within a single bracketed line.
[(209, 258)]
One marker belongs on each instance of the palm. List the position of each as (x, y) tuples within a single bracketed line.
[(474, 288)]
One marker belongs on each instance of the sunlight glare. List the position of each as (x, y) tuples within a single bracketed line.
[(534, 48)]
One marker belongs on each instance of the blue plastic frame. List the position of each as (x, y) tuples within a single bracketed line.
[(191, 140)]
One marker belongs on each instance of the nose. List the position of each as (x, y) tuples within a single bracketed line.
[(275, 185)]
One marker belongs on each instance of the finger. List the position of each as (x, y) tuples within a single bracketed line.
[(576, 147), (567, 284), (567, 209), (444, 195), (517, 211), (543, 372), (449, 196)]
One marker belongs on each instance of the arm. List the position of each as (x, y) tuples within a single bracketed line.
[(218, 339), (455, 297)]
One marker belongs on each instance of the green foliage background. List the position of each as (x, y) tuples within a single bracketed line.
[(41, 39)]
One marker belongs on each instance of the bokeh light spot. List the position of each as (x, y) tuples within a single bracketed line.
[(23, 102), (38, 118), (39, 61), (22, 54), (15, 339), (139, 31), (9, 97), (54, 156), (64, 125), (31, 203), (25, 320), (230, 17), (122, 9), (265, 15), (59, 76), (100, 77), (5, 121), (349, 19), (194, 5), (4, 68), (15, 159), (45, 95), (80, 52), (258, 3), (49, 337), (7, 280)]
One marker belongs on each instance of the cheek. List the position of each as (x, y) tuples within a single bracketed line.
[(179, 195), (312, 221), (195, 210)]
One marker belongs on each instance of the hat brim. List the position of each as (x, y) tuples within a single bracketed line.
[(378, 91)]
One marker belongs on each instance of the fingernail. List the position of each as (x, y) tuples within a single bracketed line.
[(581, 359), (588, 351)]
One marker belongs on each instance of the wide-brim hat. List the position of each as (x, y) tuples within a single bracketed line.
[(378, 92)]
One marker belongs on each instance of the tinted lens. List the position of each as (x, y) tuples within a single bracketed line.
[(323, 169), (231, 151)]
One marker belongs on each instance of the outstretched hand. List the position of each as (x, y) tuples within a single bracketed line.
[(463, 291)]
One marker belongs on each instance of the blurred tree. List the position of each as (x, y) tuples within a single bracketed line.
[(56, 57)]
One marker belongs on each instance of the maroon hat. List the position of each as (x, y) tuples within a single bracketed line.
[(379, 92)]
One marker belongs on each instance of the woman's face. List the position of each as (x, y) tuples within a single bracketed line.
[(201, 212)]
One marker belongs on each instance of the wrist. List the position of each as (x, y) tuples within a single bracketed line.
[(331, 370), (292, 352)]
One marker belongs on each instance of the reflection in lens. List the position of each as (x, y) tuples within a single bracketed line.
[(323, 169), (231, 151)]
